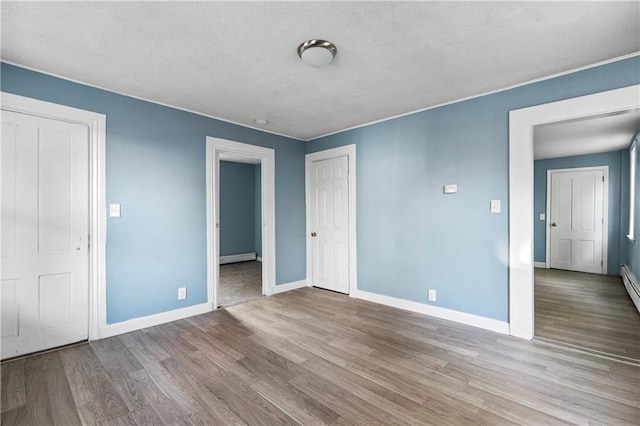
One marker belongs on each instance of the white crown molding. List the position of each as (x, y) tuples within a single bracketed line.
[(491, 92), (571, 71)]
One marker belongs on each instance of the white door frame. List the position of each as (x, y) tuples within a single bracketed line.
[(605, 211), (96, 123), (222, 149), (521, 126), (350, 152)]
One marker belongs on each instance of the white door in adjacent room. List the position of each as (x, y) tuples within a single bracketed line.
[(329, 206), (577, 220), (45, 251)]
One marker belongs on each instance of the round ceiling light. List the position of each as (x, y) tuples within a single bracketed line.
[(317, 53)]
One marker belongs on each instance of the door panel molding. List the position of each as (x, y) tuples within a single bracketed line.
[(350, 152), (605, 211), (96, 125)]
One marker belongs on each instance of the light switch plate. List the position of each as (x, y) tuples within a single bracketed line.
[(450, 189), (495, 206), (543, 216), (114, 210)]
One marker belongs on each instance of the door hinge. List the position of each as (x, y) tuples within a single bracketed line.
[(601, 263), (603, 178)]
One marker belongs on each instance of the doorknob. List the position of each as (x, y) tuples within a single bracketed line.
[(313, 234), (553, 225)]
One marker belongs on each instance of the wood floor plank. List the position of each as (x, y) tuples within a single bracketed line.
[(587, 311), (15, 416), (60, 396), (38, 406), (314, 357), (115, 356), (13, 392)]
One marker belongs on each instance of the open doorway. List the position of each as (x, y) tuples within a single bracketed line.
[(240, 182), (580, 219), (525, 219), (240, 233)]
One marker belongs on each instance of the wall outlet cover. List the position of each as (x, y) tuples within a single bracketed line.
[(182, 293), (432, 295)]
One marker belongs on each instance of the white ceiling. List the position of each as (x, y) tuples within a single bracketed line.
[(237, 60), (603, 133)]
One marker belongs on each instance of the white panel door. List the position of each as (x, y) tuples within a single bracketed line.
[(576, 221), (330, 224), (45, 255)]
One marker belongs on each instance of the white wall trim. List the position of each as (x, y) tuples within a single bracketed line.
[(281, 288), (350, 152), (605, 211), (233, 258), (218, 149), (491, 92), (96, 124), (539, 265), (521, 124), (435, 311), (525, 83), (153, 320), (202, 114)]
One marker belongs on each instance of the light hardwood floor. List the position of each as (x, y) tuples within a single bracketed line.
[(588, 311), (315, 357)]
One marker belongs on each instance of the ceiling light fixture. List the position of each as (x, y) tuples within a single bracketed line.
[(317, 53), (261, 121)]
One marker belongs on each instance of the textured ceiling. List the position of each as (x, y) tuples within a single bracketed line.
[(237, 61), (602, 133)]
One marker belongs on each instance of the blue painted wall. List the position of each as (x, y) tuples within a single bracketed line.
[(237, 208), (412, 237), (633, 247), (617, 216), (156, 170), (257, 203)]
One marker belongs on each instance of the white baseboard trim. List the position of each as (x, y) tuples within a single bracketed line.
[(281, 288), (259, 259), (232, 258), (155, 319), (631, 284), (435, 311), (539, 264)]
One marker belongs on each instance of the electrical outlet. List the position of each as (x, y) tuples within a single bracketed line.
[(182, 293), (432, 295)]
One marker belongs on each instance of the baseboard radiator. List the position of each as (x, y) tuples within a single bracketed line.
[(631, 284), (233, 258)]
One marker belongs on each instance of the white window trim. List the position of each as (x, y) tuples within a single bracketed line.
[(633, 170)]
